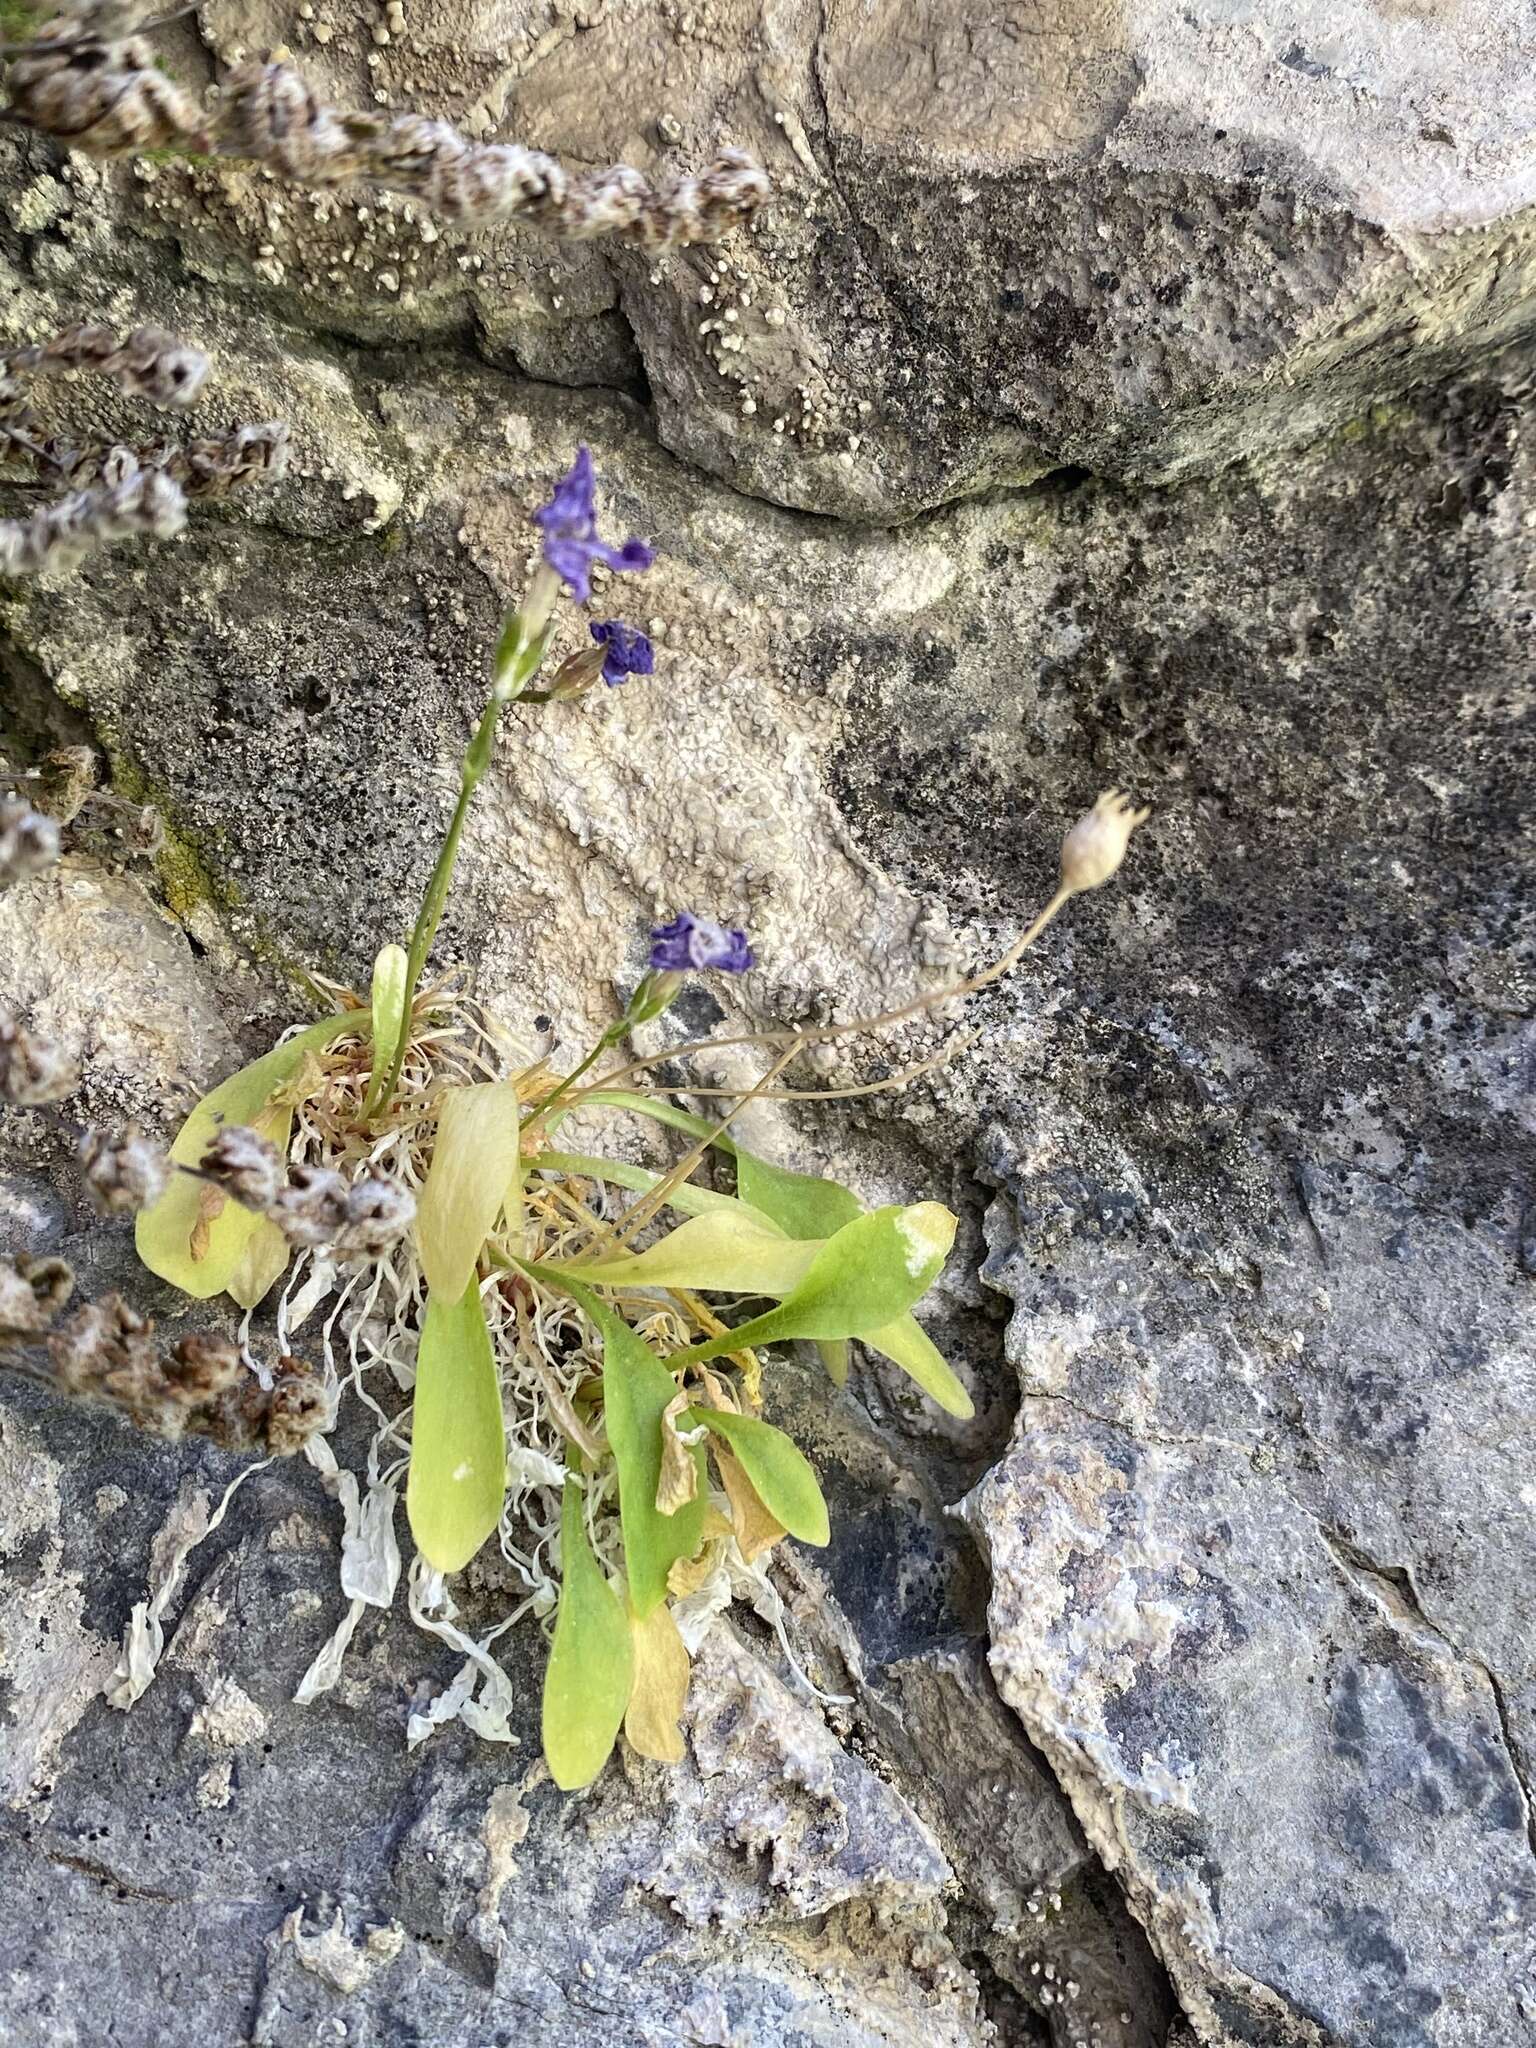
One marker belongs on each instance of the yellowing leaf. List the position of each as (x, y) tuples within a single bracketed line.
[(390, 970), (779, 1471), (235, 1249), (591, 1661), (458, 1440), (679, 1480), (756, 1530), (689, 1573), (720, 1253), (907, 1344), (660, 1688), (866, 1276), (637, 1391), (474, 1169), (834, 1356)]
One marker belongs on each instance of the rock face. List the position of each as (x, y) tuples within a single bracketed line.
[(1201, 343)]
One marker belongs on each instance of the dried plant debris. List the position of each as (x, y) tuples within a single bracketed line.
[(33, 1293), (315, 1207), (146, 363), (135, 503), (107, 1353), (86, 84), (92, 84), (29, 840)]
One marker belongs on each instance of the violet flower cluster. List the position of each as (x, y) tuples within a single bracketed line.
[(691, 943), (572, 543), (626, 651)]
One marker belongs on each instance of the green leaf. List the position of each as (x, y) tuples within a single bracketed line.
[(190, 1237), (907, 1344), (591, 1661), (458, 1439), (474, 1169), (866, 1276), (722, 1253), (391, 969), (803, 1205), (636, 1390), (686, 1196), (782, 1475)]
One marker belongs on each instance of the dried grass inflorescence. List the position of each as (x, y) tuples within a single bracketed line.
[(107, 1353), (113, 492), (91, 84)]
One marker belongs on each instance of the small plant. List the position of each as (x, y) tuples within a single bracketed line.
[(563, 1351), (583, 1383)]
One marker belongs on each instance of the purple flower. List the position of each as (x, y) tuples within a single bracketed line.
[(693, 942), (629, 652), (571, 543)]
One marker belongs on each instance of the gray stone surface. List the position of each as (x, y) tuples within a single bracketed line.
[(1138, 237), (1245, 1148)]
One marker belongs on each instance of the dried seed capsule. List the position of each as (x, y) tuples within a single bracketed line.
[(296, 1409), (147, 363), (1093, 850), (312, 1209), (106, 1352), (65, 778), (494, 182), (249, 454), (379, 1212), (607, 203), (246, 1165), (32, 1292), (203, 1365), (29, 841), (130, 502), (125, 1173)]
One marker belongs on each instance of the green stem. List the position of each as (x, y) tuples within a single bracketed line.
[(518, 655), (609, 1039)]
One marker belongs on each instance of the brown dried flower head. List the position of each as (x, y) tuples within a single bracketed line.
[(107, 1353), (246, 1165), (125, 1173), (130, 502), (32, 1292)]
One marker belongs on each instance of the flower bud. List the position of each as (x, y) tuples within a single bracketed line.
[(577, 673), (655, 992), (1093, 850)]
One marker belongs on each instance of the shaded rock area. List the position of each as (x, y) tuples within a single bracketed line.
[(1192, 351)]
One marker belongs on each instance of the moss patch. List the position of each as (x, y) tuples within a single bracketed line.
[(185, 875)]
